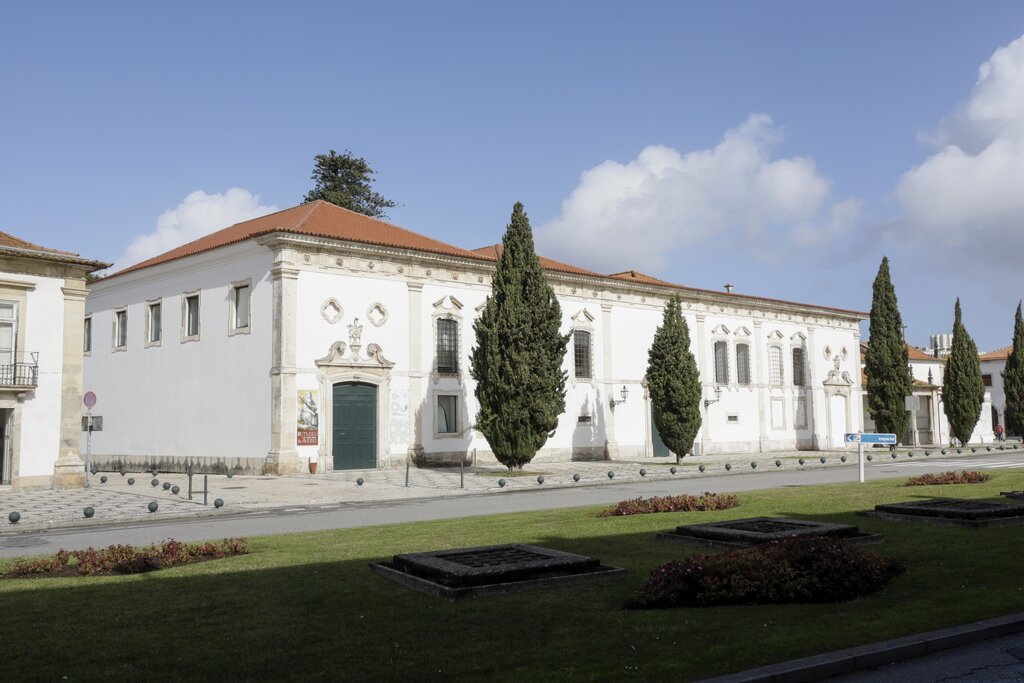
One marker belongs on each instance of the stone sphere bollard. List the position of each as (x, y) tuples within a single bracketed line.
[(123, 471), (218, 503), (944, 451), (778, 463), (230, 474), (753, 465), (822, 459), (801, 461), (910, 454), (892, 455), (103, 479), (540, 479), (93, 470), (611, 475), (131, 481), (155, 482), (175, 489), (88, 512), (14, 517), (501, 483), (155, 471), (728, 467), (575, 477), (870, 458), (643, 472), (153, 506), (359, 481), (927, 453), (842, 458), (167, 486), (701, 468), (672, 469)]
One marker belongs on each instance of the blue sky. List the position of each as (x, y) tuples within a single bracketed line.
[(783, 147)]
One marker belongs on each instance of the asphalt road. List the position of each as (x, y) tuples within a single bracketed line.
[(300, 518)]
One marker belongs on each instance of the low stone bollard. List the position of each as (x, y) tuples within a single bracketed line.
[(576, 477), (218, 503), (153, 506), (88, 512), (14, 517)]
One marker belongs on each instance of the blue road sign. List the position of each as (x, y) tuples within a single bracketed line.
[(886, 439)]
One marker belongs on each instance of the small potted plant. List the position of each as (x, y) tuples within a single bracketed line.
[(312, 465)]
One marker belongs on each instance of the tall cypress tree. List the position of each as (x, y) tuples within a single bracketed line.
[(674, 382), (517, 361), (963, 392), (1013, 379), (887, 364)]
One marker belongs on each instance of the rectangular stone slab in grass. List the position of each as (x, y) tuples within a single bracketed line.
[(1013, 494), (468, 572), (975, 514), (754, 530)]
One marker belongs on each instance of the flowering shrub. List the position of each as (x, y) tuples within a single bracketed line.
[(805, 569), (644, 506), (126, 559), (951, 477)]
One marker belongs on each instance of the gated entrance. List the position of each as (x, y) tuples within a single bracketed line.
[(354, 426)]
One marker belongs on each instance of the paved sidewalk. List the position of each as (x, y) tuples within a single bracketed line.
[(118, 501)]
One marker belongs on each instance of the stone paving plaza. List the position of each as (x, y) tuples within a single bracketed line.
[(117, 501)]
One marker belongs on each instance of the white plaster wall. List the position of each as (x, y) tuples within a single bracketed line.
[(206, 398), (995, 368), (43, 322)]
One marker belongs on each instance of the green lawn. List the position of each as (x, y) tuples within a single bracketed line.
[(305, 606)]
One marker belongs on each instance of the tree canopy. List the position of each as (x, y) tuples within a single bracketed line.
[(887, 364), (519, 353), (1013, 379), (345, 180), (674, 381), (963, 391)]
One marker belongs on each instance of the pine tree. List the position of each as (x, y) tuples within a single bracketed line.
[(887, 364), (674, 382), (963, 391), (1013, 379), (517, 361), (346, 180)]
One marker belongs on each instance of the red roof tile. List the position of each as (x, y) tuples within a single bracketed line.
[(998, 354), (493, 253), (9, 240)]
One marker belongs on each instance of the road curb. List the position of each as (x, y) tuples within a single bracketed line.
[(877, 654)]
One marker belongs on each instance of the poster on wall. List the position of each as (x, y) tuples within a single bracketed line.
[(307, 422)]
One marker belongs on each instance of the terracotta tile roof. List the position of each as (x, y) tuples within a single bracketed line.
[(9, 240), (634, 276), (913, 353), (318, 219), (493, 252), (998, 354)]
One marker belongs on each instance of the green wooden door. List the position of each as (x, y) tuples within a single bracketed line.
[(660, 449), (354, 426)]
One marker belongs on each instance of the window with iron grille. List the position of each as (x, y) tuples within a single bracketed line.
[(447, 346), (581, 354), (721, 362), (799, 376), (743, 363), (774, 365)]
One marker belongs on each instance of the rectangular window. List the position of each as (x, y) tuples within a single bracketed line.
[(447, 420), (743, 363), (581, 354), (774, 365), (240, 308), (154, 323), (121, 329), (986, 380), (799, 378), (721, 362), (87, 335), (8, 332), (447, 346), (190, 317)]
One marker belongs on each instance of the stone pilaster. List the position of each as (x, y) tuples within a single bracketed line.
[(69, 470), (283, 457), (815, 393), (611, 444), (415, 369), (761, 368), (704, 366)]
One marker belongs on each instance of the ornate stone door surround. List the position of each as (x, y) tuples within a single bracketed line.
[(336, 367), (838, 383)]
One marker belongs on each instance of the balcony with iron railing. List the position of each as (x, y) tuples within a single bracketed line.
[(20, 375)]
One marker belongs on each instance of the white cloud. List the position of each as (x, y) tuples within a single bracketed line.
[(970, 193), (197, 215), (734, 191)]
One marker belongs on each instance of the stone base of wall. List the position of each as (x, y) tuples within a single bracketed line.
[(36, 483), (173, 463), (767, 446)]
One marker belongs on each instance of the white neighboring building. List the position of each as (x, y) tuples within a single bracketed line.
[(992, 365), (318, 334), (42, 301), (930, 426)]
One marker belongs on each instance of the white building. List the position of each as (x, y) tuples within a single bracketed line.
[(992, 365), (42, 301), (319, 334), (929, 426)]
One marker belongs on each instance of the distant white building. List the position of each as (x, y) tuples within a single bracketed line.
[(930, 427), (316, 334), (992, 365), (42, 301)]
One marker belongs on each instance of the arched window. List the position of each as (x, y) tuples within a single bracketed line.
[(743, 363), (799, 375), (774, 365), (721, 362)]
